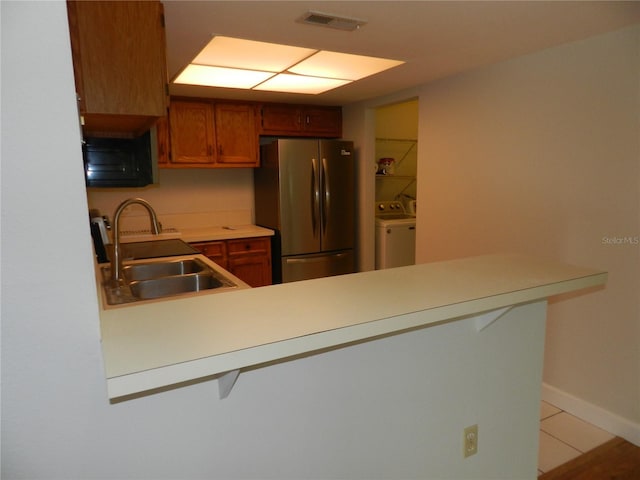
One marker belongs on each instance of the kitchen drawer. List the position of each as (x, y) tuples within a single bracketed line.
[(215, 251), (211, 248), (248, 245)]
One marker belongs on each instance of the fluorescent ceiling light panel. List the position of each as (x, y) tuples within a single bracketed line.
[(237, 53), (342, 65), (286, 82), (234, 63), (221, 77)]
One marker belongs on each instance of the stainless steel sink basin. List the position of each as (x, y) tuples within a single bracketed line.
[(146, 271), (175, 285), (165, 278)]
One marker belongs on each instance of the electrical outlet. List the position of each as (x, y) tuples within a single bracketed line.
[(470, 440)]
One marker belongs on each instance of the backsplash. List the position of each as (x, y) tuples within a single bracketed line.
[(213, 196)]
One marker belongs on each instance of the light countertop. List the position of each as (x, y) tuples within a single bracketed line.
[(147, 346), (203, 233), (227, 232)]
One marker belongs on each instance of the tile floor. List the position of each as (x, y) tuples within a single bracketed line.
[(563, 437)]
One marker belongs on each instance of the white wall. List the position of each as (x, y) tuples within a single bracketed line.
[(541, 155), (398, 120), (178, 191), (359, 126), (391, 408)]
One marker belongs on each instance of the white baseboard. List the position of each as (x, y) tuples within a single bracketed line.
[(593, 414)]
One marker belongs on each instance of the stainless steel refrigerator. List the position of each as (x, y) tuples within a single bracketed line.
[(304, 190)]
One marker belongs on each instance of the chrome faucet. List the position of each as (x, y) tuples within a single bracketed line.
[(116, 261)]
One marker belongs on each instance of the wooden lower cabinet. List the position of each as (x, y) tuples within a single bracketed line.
[(249, 259), (214, 251)]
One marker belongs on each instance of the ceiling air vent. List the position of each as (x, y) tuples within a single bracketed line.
[(332, 21)]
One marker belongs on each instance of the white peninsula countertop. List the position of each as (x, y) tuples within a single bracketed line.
[(162, 343)]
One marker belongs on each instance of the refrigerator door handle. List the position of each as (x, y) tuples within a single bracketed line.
[(326, 195), (315, 195), (316, 259)]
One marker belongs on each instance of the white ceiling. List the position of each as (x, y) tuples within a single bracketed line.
[(435, 38)]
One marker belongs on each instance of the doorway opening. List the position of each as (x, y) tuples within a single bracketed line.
[(396, 153), (396, 157)]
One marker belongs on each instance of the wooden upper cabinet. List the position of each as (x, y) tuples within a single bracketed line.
[(212, 134), (301, 120), (281, 119), (119, 63), (192, 133), (163, 145), (323, 120), (236, 134)]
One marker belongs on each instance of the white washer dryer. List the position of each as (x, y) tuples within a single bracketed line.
[(395, 236)]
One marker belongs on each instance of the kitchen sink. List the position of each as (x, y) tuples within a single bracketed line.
[(165, 278), (175, 285), (147, 271)]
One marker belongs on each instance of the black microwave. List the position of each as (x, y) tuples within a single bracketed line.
[(118, 162)]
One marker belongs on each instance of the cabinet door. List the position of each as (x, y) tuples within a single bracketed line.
[(119, 63), (323, 121), (255, 270), (192, 133), (300, 120), (250, 260), (280, 119), (236, 135), (162, 132)]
